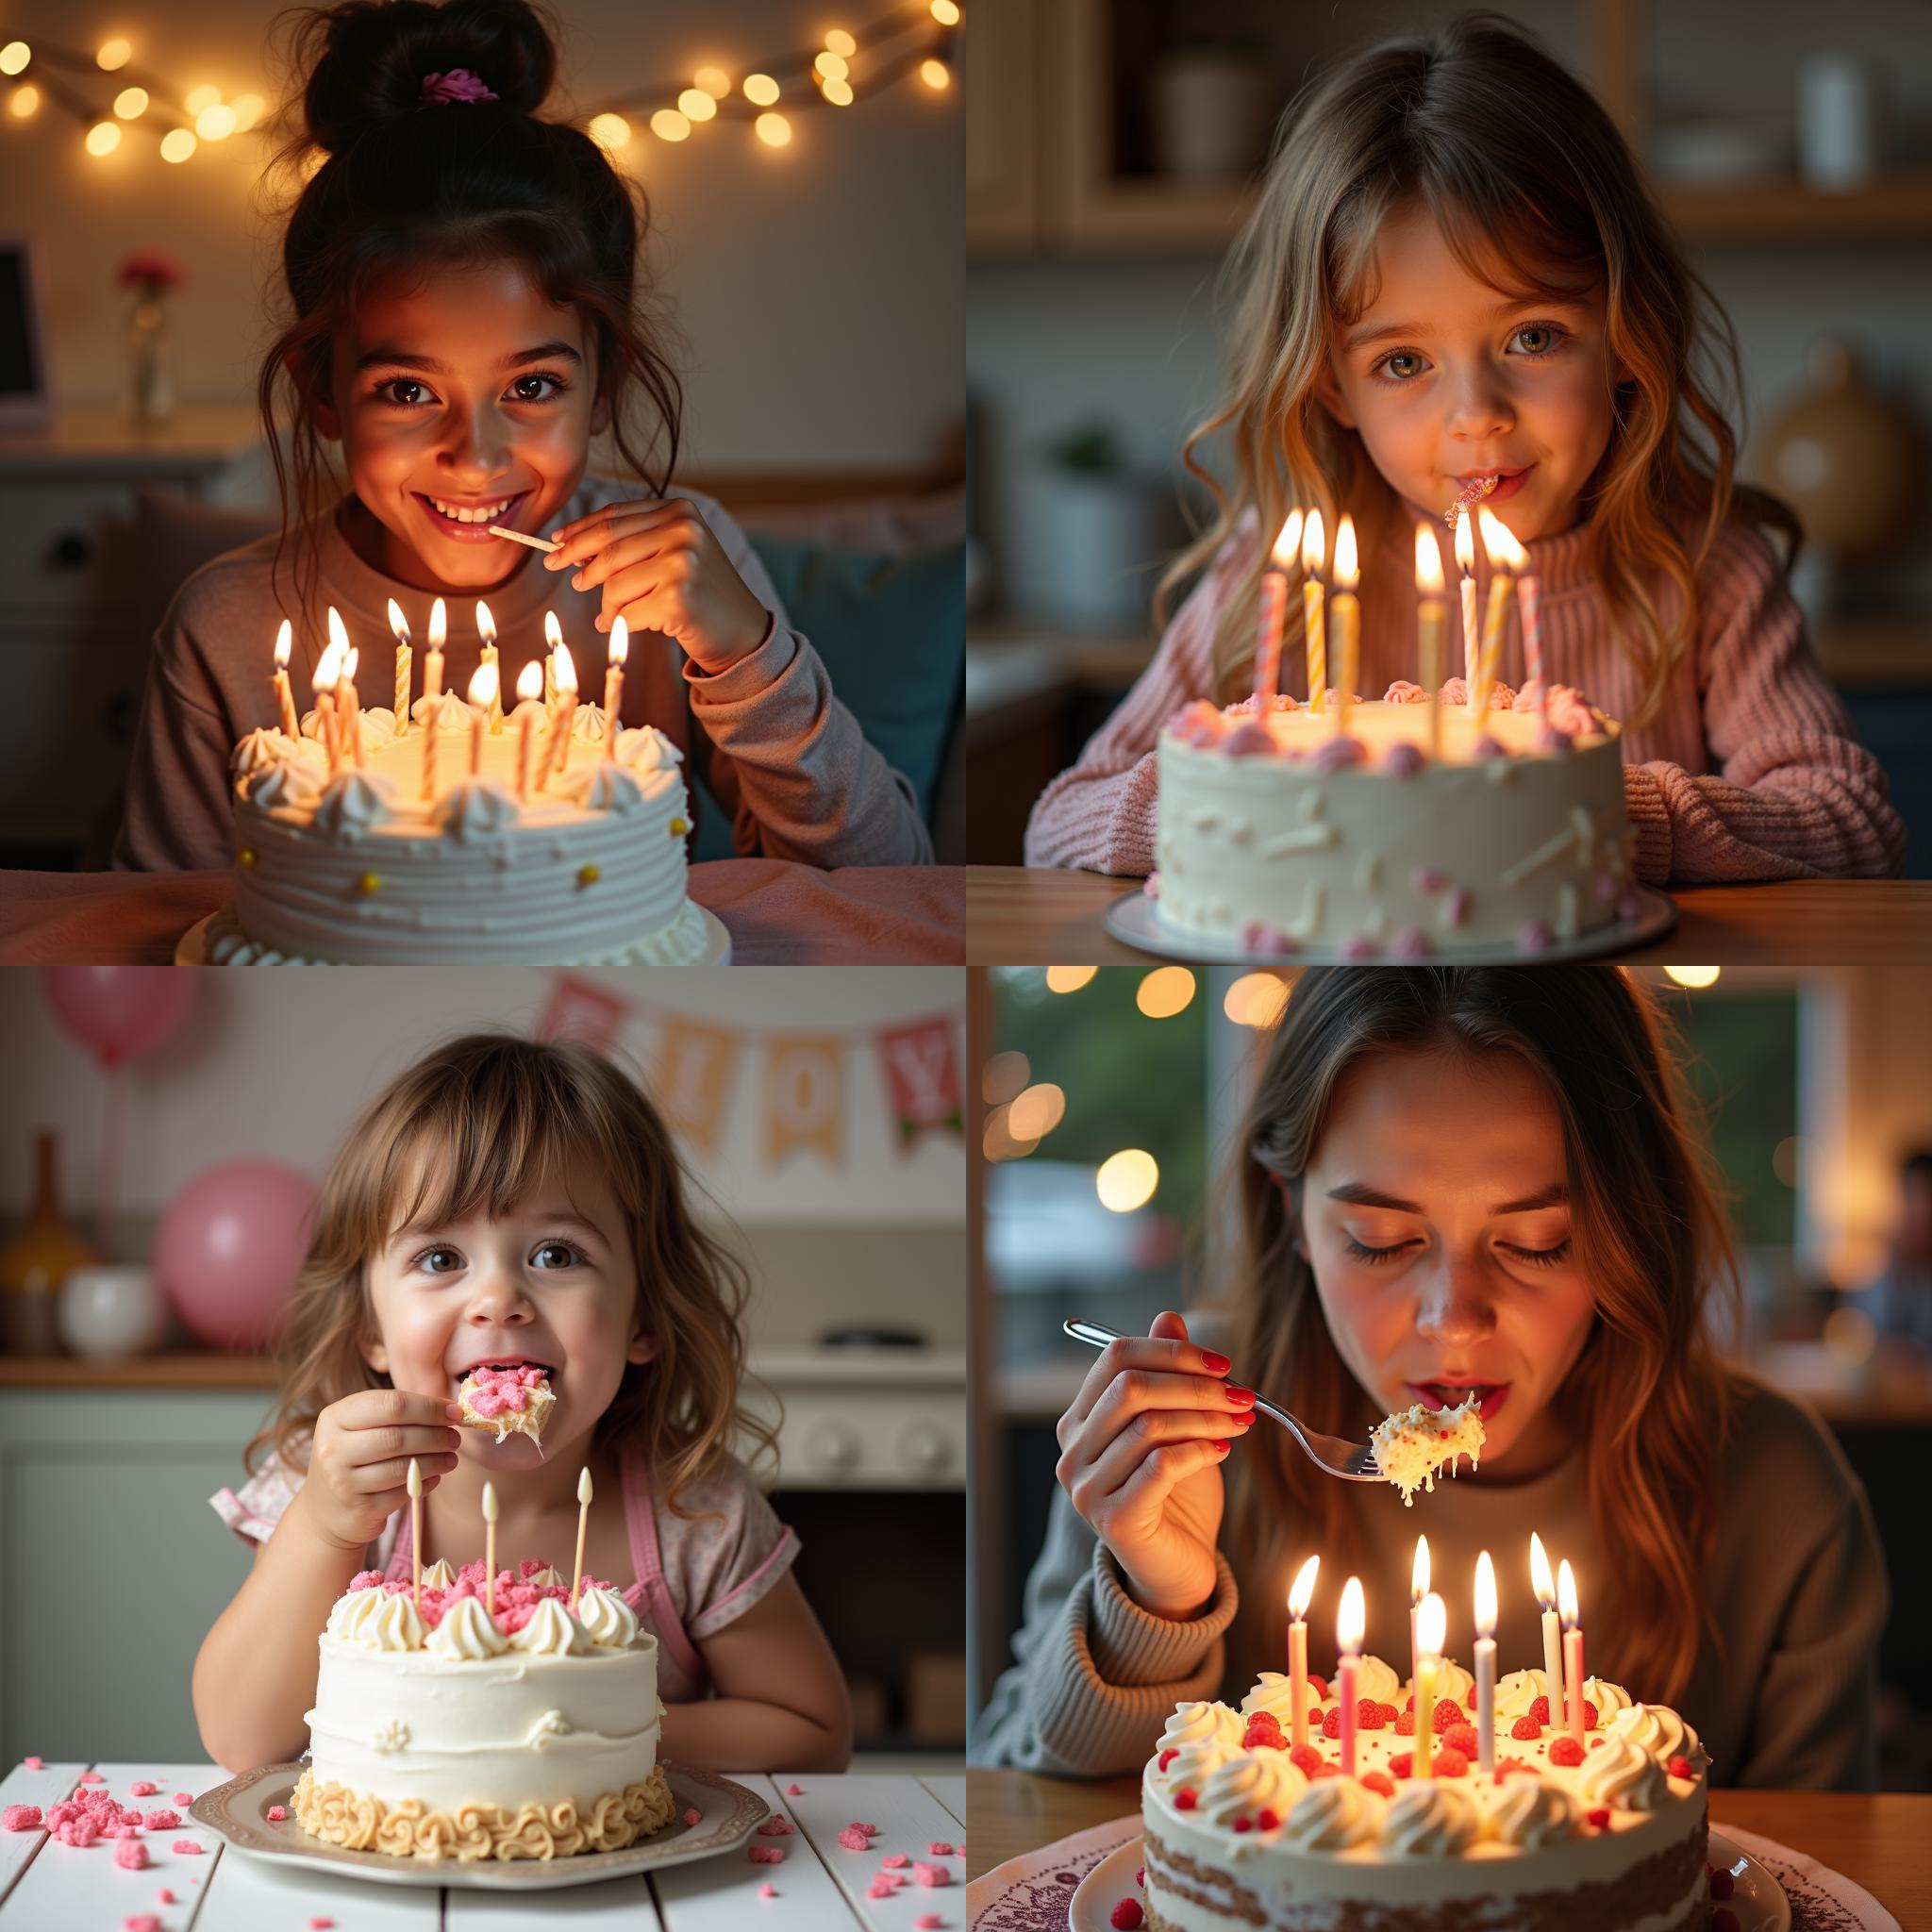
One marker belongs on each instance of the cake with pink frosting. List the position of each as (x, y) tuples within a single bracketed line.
[(1283, 829), (453, 1731), (1244, 1830)]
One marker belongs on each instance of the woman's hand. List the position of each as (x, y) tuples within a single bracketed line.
[(359, 1464), (1140, 1455), (663, 570)]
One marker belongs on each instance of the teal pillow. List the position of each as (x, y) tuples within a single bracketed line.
[(891, 632)]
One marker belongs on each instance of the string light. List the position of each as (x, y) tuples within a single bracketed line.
[(215, 122), (198, 98), (130, 104), (772, 129), (103, 138), (14, 57), (114, 54), (695, 103), (1069, 979), (838, 92), (248, 111), (609, 132), (839, 42), (760, 90), (714, 81), (831, 67), (667, 124), (177, 144), (26, 98), (936, 75), (946, 11)]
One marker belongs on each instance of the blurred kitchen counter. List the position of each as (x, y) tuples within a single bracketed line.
[(177, 1369)]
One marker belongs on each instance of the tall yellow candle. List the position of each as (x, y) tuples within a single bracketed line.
[(529, 689), (1432, 1623), (1345, 612), (285, 698), (483, 695), (352, 705), (490, 1548), (1314, 552), (1507, 555), (328, 675), (553, 636), (1428, 619), (585, 1491), (613, 684), (1465, 559), (1299, 1596), (486, 629), (432, 664), (1418, 1592), (556, 746), (405, 658)]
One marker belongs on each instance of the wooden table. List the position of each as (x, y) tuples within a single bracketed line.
[(1879, 1840), (1030, 916), (822, 1886)]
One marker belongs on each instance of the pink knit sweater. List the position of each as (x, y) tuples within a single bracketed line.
[(1748, 771)]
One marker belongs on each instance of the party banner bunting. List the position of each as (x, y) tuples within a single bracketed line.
[(583, 1011), (693, 1080), (804, 1097), (922, 1081)]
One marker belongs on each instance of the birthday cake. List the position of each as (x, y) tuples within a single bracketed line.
[(399, 857), (1282, 828), (455, 1733), (1244, 1829)]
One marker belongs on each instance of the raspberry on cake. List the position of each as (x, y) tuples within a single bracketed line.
[(1411, 1447), (508, 1397)]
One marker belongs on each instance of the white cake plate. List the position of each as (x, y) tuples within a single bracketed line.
[(1758, 1901), (190, 949), (1133, 917), (237, 1811)]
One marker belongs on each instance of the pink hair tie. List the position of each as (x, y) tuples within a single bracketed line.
[(459, 84)]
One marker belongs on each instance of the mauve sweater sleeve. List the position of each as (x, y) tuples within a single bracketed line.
[(1796, 795)]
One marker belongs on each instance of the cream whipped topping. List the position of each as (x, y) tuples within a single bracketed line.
[(603, 785), (477, 808), (352, 1611), (467, 1631), (1428, 1819), (646, 749), (354, 802), (1661, 1732), (438, 1575), (289, 785), (1529, 1812), (393, 1624), (1623, 1774), (1610, 1699), (552, 1631), (1411, 1445), (1331, 1815), (1516, 1693), (1248, 1784), (607, 1621), (1453, 1684), (545, 1579)]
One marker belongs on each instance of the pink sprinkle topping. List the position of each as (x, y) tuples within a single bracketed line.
[(131, 1854), (162, 1821), (895, 1860), (142, 1922), (880, 1888), (92, 1777), (776, 1825), (768, 1890), (794, 1790), (168, 1898), (1360, 948), (141, 1789), (940, 1848), (931, 1875), (1427, 880), (320, 1925), (33, 1763), (77, 1831), (184, 1798), (1248, 739), (277, 1813), (694, 1815), (927, 1921), (764, 1854), (1535, 937), (21, 1818), (184, 1845), (1404, 693), (854, 1839), (1409, 942)]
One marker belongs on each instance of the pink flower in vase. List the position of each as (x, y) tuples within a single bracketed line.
[(152, 272)]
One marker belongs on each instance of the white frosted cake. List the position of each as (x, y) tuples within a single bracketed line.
[(372, 866), (454, 1735), (1278, 831), (1243, 1831)]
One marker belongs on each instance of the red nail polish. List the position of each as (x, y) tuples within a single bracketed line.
[(1239, 1397), (1216, 1364), (1222, 1447)]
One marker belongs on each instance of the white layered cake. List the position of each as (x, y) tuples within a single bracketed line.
[(1244, 1830), (372, 865), (454, 1734), (1281, 829)]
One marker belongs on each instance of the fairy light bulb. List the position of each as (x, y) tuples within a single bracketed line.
[(667, 124), (760, 90), (609, 132), (114, 53), (26, 98), (936, 75), (714, 81), (215, 122), (946, 11), (197, 98), (831, 67), (14, 57), (696, 105), (838, 93), (177, 144), (249, 109), (772, 129), (839, 42), (130, 104), (103, 138)]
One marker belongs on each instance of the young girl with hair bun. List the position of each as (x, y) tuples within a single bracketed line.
[(466, 310), (1453, 273), (509, 1200), (1485, 1178)]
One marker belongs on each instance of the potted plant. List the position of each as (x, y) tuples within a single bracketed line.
[(1110, 527)]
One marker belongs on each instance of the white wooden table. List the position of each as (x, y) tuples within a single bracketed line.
[(821, 1887)]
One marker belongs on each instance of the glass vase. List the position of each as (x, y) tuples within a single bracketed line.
[(151, 362)]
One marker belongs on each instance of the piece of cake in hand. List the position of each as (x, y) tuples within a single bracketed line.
[(1412, 1447), (508, 1397)]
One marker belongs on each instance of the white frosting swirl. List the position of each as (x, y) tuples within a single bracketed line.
[(352, 1612), (467, 1631), (608, 1622), (1248, 1784), (1429, 1819), (393, 1625), (545, 1579), (1609, 1698), (1274, 1692), (1661, 1732), (1331, 1815), (477, 808), (353, 802), (1196, 1722), (1530, 1812), (647, 749), (1373, 1679), (261, 748), (288, 787), (450, 712), (1456, 1684), (1519, 1691), (438, 1575), (602, 785), (378, 725), (552, 1631), (587, 723), (1623, 1774)]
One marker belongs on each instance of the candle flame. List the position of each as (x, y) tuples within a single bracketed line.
[(414, 1485), (328, 674), (530, 680), (1303, 1590), (620, 638), (1346, 571), (1506, 553), (489, 1501), (485, 624), (1465, 542), (1352, 1619), (1314, 543), (566, 670), (584, 1485), (337, 632), (349, 664), (1419, 1575), (285, 643), (1539, 1578), (553, 631), (1428, 562), (438, 625), (1485, 1596), (1566, 1594), (399, 622), (484, 686), (1290, 540), (1431, 1625)]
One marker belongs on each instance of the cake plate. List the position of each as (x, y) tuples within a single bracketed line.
[(1758, 1901), (190, 949), (237, 1811), (1132, 917)]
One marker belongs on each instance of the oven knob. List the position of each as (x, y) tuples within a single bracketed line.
[(833, 1445), (924, 1449)]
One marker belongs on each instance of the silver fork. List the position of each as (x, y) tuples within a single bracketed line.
[(1353, 1461)]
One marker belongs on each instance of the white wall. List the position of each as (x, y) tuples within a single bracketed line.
[(817, 288)]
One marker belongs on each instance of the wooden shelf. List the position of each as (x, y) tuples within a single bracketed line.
[(181, 1369), (1897, 209)]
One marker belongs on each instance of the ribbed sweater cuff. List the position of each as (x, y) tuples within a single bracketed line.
[(1643, 799), (1132, 1647)]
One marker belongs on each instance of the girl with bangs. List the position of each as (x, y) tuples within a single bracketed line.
[(1453, 1182), (1453, 275), (466, 309), (509, 1202)]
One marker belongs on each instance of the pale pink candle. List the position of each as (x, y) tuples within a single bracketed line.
[(1274, 610), (1526, 600), (482, 697), (529, 689), (1299, 1597), (1545, 1587), (1485, 1663), (1349, 1625), (1465, 558), (1573, 1647), (613, 684), (1417, 1590)]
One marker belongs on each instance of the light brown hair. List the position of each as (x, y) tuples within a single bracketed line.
[(1649, 1230), (1537, 192), (474, 1126)]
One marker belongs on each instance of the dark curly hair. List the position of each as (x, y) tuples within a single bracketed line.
[(487, 181)]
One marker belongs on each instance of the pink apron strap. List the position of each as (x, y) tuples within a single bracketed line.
[(640, 1519), (399, 1569)]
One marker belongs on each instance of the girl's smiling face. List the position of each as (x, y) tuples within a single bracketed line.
[(1445, 378), (1435, 1214), (471, 389)]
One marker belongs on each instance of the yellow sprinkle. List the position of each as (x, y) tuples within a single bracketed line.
[(589, 874), (678, 828), (369, 883), (245, 857)]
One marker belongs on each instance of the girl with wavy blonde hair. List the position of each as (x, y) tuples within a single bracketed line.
[(511, 1203), (1456, 1184), (1453, 278)]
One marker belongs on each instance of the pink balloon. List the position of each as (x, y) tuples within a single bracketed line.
[(230, 1246), (118, 1011)]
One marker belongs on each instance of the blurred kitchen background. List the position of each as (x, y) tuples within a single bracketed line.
[(1109, 147), (1107, 1100), (806, 258), (820, 1112)]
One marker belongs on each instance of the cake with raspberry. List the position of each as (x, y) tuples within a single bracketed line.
[(458, 1732), (1412, 1447), (1244, 1830), (506, 1397), (1282, 830)]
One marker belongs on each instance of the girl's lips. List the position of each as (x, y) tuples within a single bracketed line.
[(472, 533), (1505, 490), (1433, 1393)]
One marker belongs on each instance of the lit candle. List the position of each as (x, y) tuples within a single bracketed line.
[(584, 1492), (1349, 1623), (530, 691), (1485, 1663), (486, 629), (483, 696), (1314, 549), (1545, 1587), (1530, 611), (613, 683), (1299, 1595), (405, 658), (415, 1487), (285, 698), (1418, 1589), (352, 705), (556, 746), (326, 674), (432, 664), (1347, 613), (1274, 610), (1465, 558), (1429, 616), (490, 1548), (1432, 1623), (1572, 1648), (1507, 555)]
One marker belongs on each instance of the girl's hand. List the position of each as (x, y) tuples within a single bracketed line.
[(662, 567), (359, 1465), (1140, 1455)]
